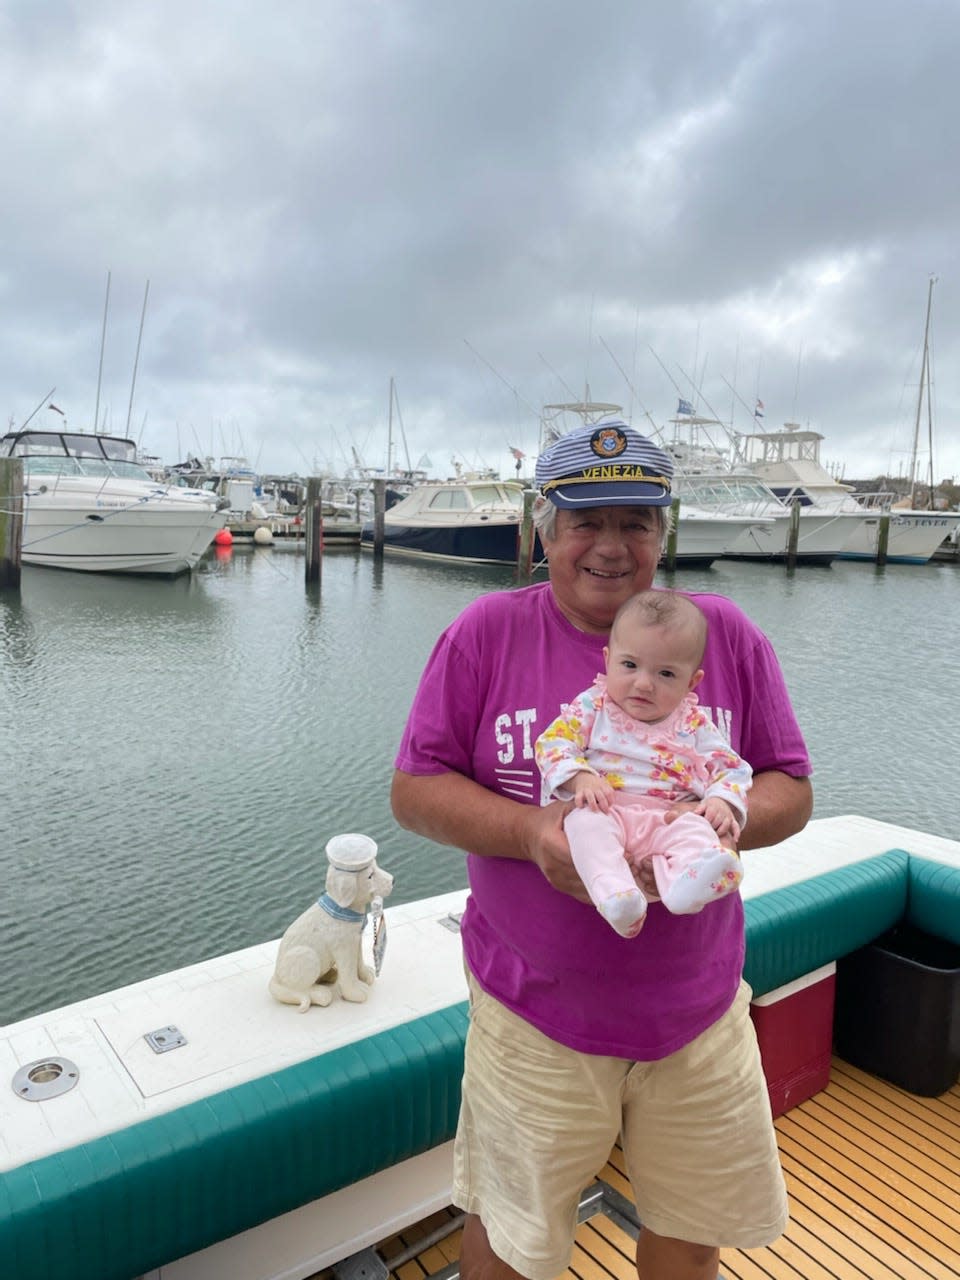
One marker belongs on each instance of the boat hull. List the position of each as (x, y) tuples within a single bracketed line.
[(486, 543), (913, 537), (821, 539), (162, 537)]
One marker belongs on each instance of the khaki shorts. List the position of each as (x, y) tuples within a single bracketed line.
[(538, 1121)]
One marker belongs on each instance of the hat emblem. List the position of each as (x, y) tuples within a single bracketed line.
[(608, 442)]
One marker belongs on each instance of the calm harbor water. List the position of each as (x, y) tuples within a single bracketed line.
[(176, 754)]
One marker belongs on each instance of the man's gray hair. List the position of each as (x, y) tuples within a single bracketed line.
[(545, 519)]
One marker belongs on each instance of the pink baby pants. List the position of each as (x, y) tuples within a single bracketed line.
[(635, 826)]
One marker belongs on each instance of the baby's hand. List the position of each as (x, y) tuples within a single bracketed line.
[(721, 817), (591, 792)]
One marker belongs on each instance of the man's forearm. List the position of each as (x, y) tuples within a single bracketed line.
[(777, 806), (454, 810)]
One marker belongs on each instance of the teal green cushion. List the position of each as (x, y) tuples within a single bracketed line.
[(127, 1203), (798, 928), (933, 901)]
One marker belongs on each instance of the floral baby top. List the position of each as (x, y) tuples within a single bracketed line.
[(680, 757)]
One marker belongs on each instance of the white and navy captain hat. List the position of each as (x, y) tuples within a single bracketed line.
[(351, 852), (604, 464)]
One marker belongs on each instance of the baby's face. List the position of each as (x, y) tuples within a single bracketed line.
[(650, 669)]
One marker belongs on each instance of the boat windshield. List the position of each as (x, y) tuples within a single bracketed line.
[(61, 453), (727, 491), (476, 495), (57, 444), (39, 465)]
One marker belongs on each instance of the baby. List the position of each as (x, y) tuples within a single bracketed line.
[(627, 749)]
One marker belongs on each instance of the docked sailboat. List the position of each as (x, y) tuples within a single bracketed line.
[(90, 505)]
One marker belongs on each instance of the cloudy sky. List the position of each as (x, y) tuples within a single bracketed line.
[(498, 204)]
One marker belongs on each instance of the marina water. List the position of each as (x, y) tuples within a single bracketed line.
[(175, 754)]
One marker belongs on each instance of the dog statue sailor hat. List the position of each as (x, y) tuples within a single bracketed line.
[(351, 852)]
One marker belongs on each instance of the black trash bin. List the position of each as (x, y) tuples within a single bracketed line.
[(897, 1010)]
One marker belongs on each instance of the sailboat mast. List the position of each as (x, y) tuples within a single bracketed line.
[(390, 433), (103, 339), (136, 359), (924, 378)]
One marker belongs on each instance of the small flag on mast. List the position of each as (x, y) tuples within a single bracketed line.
[(518, 454), (684, 406), (758, 411), (56, 410)]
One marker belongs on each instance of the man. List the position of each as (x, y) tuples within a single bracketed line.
[(576, 1033)]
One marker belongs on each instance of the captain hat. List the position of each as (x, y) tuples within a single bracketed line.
[(351, 852), (604, 464)]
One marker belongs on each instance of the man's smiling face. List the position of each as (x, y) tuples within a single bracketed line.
[(598, 558)]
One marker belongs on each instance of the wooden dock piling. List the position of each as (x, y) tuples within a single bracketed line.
[(883, 538), (527, 537), (670, 555), (313, 538), (11, 522), (379, 508), (793, 536)]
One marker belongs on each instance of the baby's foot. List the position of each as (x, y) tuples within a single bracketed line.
[(716, 874), (625, 911)]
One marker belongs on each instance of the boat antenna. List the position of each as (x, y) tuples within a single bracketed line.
[(103, 340), (796, 385), (676, 385), (740, 398), (633, 394), (38, 408), (570, 392), (136, 358), (729, 432), (496, 372)]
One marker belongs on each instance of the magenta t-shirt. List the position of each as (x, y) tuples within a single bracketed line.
[(497, 677)]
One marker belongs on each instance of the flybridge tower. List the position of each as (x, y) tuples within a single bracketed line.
[(552, 418)]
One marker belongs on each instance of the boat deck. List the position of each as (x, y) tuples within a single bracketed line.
[(873, 1174)]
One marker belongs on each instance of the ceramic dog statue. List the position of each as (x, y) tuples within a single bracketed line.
[(320, 954)]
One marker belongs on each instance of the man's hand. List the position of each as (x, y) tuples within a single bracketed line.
[(544, 843)]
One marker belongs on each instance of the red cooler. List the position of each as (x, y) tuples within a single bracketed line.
[(794, 1026)]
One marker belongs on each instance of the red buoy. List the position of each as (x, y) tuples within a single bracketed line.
[(223, 538)]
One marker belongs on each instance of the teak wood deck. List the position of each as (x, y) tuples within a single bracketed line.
[(873, 1175)]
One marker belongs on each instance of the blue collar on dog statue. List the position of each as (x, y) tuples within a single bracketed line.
[(341, 913), (379, 924)]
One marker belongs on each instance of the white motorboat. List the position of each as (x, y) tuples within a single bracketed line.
[(90, 505), (789, 462), (706, 476)]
